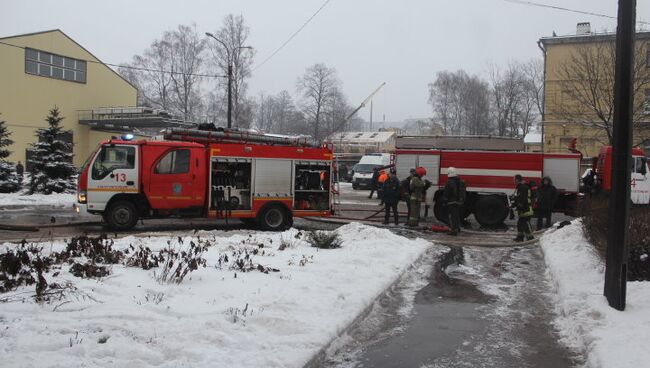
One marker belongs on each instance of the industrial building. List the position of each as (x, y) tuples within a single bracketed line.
[(43, 70)]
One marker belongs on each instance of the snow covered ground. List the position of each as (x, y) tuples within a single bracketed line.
[(607, 337), (20, 199), (219, 317)]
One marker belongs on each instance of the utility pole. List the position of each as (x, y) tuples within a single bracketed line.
[(229, 93), (619, 200)]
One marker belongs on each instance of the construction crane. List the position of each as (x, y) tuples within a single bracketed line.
[(363, 104)]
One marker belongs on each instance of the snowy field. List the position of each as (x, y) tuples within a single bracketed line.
[(19, 199), (608, 338), (216, 318)]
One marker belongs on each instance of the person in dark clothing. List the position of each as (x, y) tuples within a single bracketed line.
[(546, 197), (405, 192), (391, 189), (451, 196), (20, 170), (416, 186), (374, 182), (589, 182), (522, 202)]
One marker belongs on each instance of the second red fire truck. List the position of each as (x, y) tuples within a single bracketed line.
[(488, 171)]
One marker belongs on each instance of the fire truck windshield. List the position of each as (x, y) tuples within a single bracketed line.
[(365, 168), (111, 158)]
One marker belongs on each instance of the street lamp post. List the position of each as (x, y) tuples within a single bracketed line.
[(229, 61)]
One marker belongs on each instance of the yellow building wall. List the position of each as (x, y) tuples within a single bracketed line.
[(26, 99), (557, 131)]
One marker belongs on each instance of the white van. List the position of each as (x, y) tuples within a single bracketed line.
[(363, 171)]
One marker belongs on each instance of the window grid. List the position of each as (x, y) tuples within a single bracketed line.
[(54, 66)]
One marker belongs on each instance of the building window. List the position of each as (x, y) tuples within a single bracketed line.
[(646, 103), (54, 66)]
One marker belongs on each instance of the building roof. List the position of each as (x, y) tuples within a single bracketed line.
[(533, 138), (362, 137), (2, 39), (589, 37)]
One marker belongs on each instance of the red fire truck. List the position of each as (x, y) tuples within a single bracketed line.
[(257, 178), (489, 175)]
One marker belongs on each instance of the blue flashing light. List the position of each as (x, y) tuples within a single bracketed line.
[(128, 137)]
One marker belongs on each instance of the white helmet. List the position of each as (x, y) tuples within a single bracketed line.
[(451, 172)]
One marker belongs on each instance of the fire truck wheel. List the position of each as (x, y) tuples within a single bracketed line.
[(274, 218), (490, 210), (122, 215), (440, 211)]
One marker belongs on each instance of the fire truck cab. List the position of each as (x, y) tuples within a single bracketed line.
[(639, 177), (258, 179)]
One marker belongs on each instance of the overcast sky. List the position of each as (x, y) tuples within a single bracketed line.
[(403, 43)]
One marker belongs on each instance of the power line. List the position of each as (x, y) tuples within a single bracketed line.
[(133, 67), (292, 36), (540, 5)]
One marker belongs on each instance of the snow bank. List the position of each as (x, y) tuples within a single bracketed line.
[(18, 199), (607, 337), (290, 315)]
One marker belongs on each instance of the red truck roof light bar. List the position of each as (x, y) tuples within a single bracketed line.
[(235, 136)]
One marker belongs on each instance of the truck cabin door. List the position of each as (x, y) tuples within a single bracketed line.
[(640, 181), (115, 170), (178, 180)]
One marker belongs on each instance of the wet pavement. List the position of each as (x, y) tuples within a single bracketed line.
[(494, 311)]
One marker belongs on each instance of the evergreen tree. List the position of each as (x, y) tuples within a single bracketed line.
[(52, 168), (8, 179)]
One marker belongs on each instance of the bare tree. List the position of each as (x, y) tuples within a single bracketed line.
[(317, 86), (587, 87), (234, 33), (534, 74), (461, 103), (515, 98), (186, 63), (167, 73), (152, 75)]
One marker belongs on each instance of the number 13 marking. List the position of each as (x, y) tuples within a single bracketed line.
[(120, 177)]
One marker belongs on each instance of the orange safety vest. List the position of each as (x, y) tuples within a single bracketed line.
[(382, 178)]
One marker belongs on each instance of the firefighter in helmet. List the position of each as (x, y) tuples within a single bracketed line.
[(453, 196), (522, 202), (417, 188)]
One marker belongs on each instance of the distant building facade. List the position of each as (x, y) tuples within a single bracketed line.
[(39, 71), (567, 117)]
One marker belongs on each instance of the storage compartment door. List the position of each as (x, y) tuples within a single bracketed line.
[(273, 178), (403, 165), (564, 172), (432, 164)]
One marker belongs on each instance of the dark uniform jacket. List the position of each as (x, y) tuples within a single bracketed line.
[(523, 200), (546, 195), (451, 193), (391, 188)]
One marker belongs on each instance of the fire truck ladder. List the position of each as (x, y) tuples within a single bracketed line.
[(235, 136)]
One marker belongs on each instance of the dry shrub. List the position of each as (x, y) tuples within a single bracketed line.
[(324, 239), (178, 263), (596, 226)]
